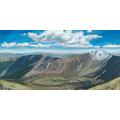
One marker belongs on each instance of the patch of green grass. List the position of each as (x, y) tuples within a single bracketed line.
[(6, 85), (111, 85)]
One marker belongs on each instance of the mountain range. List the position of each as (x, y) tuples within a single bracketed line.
[(85, 71)]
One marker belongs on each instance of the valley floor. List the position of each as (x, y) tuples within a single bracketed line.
[(6, 85)]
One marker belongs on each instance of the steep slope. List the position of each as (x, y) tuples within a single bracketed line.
[(78, 72), (82, 65), (4, 64), (21, 66), (25, 64)]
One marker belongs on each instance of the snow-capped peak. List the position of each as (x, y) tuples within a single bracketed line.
[(100, 55)]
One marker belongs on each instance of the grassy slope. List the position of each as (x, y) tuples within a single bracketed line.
[(112, 85), (5, 63), (5, 85)]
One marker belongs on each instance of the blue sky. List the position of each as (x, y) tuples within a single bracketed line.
[(58, 40)]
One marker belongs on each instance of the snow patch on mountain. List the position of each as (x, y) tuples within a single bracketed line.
[(100, 55)]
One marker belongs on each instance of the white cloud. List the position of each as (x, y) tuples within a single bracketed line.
[(33, 36), (14, 44), (25, 44), (111, 46), (65, 37), (5, 44), (39, 45), (89, 31)]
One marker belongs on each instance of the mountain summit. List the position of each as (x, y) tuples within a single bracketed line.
[(100, 55)]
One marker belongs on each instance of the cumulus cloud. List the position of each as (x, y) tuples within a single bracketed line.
[(33, 36), (66, 38), (5, 44), (14, 44), (25, 44), (112, 46)]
